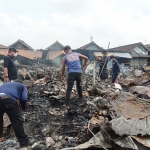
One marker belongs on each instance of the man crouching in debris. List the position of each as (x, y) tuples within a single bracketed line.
[(72, 60), (115, 68), (10, 93)]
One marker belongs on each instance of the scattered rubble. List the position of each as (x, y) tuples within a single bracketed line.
[(110, 116)]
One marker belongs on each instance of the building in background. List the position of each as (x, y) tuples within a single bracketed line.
[(20, 44), (53, 54), (89, 50), (3, 47), (138, 51), (148, 46)]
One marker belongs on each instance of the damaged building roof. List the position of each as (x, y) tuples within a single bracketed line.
[(148, 46), (128, 48), (20, 44), (91, 46), (136, 50), (55, 46)]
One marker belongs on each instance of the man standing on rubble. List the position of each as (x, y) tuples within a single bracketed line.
[(115, 68), (10, 93), (72, 60), (103, 73), (10, 70)]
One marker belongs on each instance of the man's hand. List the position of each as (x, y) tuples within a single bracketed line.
[(28, 104), (6, 79), (62, 78), (83, 65)]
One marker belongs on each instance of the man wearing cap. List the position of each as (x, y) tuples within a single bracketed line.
[(103, 73), (9, 94), (10, 70), (72, 60)]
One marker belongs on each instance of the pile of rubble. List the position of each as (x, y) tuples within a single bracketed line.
[(109, 117)]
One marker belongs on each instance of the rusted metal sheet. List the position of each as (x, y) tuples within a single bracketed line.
[(141, 90), (123, 126), (131, 107)]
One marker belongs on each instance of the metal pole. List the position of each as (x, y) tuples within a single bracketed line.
[(108, 45), (94, 73)]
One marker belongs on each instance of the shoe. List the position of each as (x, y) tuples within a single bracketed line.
[(25, 144), (80, 99), (2, 139)]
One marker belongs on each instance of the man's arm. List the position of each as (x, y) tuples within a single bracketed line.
[(6, 64), (24, 96), (117, 64), (5, 71), (63, 68), (85, 59)]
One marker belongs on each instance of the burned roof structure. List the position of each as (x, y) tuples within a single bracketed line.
[(20, 44), (56, 46), (89, 50)]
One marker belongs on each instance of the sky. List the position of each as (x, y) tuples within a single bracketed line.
[(72, 22)]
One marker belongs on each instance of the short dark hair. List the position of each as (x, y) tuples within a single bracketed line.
[(104, 52), (12, 49), (19, 81), (67, 47), (112, 56)]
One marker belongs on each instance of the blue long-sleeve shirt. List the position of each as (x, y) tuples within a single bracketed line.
[(115, 66), (15, 90)]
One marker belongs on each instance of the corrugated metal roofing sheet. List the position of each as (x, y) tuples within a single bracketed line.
[(125, 55)]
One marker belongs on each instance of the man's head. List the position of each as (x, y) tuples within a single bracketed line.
[(104, 52), (67, 49), (112, 57), (12, 52)]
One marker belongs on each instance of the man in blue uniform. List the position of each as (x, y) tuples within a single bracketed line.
[(115, 68), (9, 93), (72, 60)]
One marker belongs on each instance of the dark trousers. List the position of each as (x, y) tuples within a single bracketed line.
[(114, 77), (103, 73), (70, 81), (10, 107)]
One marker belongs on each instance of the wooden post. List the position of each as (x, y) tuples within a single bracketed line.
[(94, 73)]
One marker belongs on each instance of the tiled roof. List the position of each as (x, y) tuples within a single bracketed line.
[(29, 47), (2, 46), (89, 44), (28, 54), (127, 48), (53, 55)]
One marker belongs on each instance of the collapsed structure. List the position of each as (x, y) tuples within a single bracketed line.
[(110, 117)]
